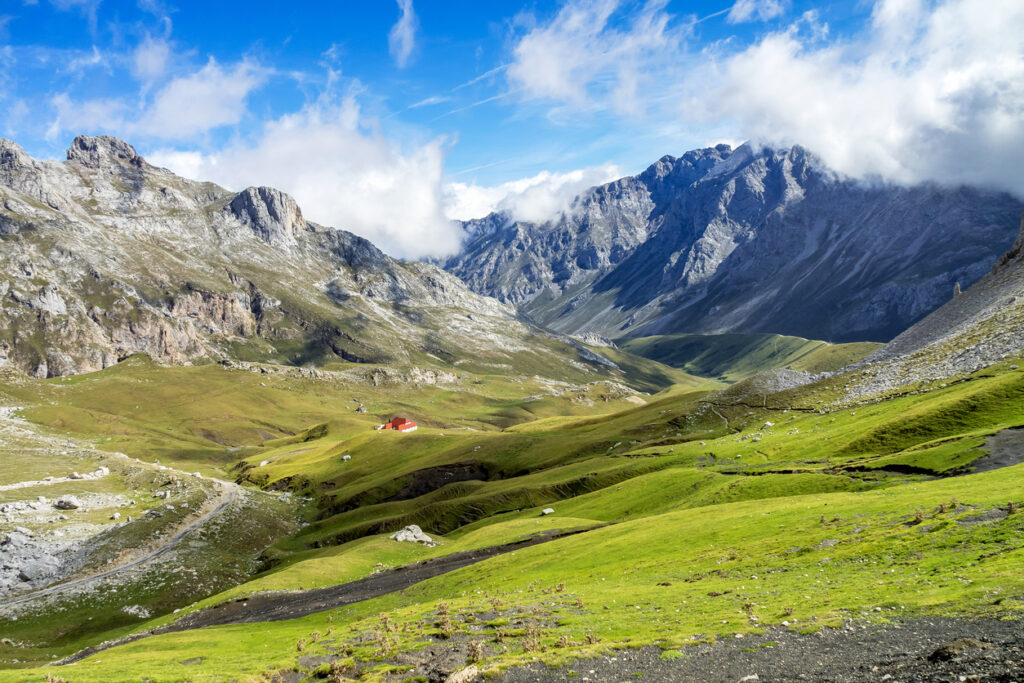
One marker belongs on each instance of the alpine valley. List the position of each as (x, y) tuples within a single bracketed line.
[(736, 418)]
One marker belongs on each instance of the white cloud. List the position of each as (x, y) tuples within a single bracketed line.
[(931, 91), (193, 104), (88, 115), (755, 10), (342, 174), (190, 105), (583, 59), (402, 38), (149, 61), (534, 199)]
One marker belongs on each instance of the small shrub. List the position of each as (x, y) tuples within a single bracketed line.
[(300, 645), (591, 639), (531, 638), (445, 625), (476, 651)]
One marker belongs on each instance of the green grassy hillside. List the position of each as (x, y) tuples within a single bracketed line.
[(732, 357), (712, 518)]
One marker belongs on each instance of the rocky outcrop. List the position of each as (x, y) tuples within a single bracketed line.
[(271, 214), (412, 534), (103, 151), (744, 240)]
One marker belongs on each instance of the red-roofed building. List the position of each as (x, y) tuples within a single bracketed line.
[(399, 424)]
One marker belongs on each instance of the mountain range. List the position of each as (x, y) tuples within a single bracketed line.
[(105, 255), (741, 240)]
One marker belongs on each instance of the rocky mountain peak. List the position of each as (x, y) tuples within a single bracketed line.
[(273, 215), (12, 155), (103, 150)]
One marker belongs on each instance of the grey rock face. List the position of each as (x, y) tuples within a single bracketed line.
[(103, 150), (746, 240), (271, 214)]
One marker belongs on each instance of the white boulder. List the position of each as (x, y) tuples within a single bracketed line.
[(412, 534)]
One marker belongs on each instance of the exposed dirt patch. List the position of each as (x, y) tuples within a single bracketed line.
[(925, 650), (1004, 449)]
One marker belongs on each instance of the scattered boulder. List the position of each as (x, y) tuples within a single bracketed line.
[(412, 534), (136, 611), (33, 570), (464, 675), (67, 503), (548, 511)]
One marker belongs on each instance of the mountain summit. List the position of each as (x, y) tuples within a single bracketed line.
[(741, 240)]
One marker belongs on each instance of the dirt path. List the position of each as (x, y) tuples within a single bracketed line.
[(229, 494), (294, 604), (931, 649)]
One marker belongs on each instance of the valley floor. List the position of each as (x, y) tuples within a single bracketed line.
[(770, 528)]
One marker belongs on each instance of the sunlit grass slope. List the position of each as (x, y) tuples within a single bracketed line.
[(726, 514), (732, 357)]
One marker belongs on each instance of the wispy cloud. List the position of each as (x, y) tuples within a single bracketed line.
[(402, 38), (487, 74), (429, 101), (756, 10)]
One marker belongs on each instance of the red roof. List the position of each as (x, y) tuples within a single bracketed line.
[(400, 423)]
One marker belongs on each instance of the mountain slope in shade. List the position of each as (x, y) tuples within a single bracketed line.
[(105, 256), (981, 326), (745, 240)]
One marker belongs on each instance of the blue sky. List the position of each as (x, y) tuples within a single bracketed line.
[(390, 118)]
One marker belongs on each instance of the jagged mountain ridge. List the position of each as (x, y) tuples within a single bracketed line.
[(744, 240), (105, 256)]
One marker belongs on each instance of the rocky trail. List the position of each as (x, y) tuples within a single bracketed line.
[(229, 494), (929, 650), (57, 560)]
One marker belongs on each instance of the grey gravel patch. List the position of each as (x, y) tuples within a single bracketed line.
[(896, 653), (1005, 449), (992, 515)]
